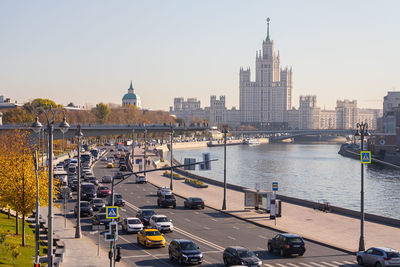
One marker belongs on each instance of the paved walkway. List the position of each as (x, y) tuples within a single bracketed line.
[(336, 230), (82, 252)]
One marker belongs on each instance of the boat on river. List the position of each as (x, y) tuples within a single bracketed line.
[(251, 142)]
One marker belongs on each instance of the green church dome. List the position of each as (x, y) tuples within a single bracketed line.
[(129, 96)]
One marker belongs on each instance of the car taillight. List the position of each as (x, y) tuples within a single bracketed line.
[(287, 246), (387, 259)]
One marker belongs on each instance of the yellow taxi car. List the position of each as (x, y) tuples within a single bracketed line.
[(151, 238), (110, 165)]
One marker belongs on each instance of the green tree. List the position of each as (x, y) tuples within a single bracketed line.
[(101, 111), (44, 103), (18, 115)]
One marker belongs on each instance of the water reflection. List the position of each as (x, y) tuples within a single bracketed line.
[(308, 171)]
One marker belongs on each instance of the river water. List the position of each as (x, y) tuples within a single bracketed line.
[(308, 171)]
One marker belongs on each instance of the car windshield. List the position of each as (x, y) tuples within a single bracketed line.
[(103, 188), (98, 201), (245, 253), (295, 240), (169, 197), (102, 216), (134, 221), (148, 212), (162, 219), (393, 254), (84, 204), (118, 196), (188, 246), (197, 199), (152, 233)]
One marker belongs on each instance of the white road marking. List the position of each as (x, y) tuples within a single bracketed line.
[(349, 262), (263, 237), (281, 265), (206, 228), (329, 264), (186, 219), (230, 237), (316, 264), (291, 264), (235, 227), (304, 264), (206, 242), (123, 209), (258, 248), (213, 219), (269, 265)]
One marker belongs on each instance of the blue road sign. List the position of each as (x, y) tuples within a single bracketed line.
[(112, 212), (365, 157), (138, 161), (275, 186)]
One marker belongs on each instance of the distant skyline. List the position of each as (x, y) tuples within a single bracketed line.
[(87, 52)]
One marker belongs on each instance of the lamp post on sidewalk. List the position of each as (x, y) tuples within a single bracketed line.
[(225, 131), (50, 118), (145, 148), (37, 126), (172, 158), (79, 135), (362, 130), (133, 146)]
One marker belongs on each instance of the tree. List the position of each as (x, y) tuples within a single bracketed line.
[(44, 103), (101, 111), (17, 175), (18, 115)]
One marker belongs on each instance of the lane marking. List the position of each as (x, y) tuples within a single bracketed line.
[(235, 227), (206, 228), (258, 248), (350, 262), (263, 237), (281, 265), (206, 242), (316, 264), (329, 264), (186, 219), (213, 219), (269, 265), (305, 264), (230, 237), (291, 264)]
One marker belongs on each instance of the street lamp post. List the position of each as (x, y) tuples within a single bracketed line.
[(362, 130), (172, 159), (225, 131), (63, 130), (37, 126), (145, 148), (79, 135), (50, 118), (133, 146)]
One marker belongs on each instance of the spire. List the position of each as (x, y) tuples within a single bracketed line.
[(268, 29), (131, 85)]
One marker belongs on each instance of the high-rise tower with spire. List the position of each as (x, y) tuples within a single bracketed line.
[(268, 97)]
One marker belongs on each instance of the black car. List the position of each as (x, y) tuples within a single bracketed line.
[(166, 200), (144, 215), (287, 244), (86, 209), (100, 219), (193, 203), (184, 251), (88, 191), (123, 168), (97, 204), (118, 200), (240, 256), (119, 175), (74, 185), (92, 180)]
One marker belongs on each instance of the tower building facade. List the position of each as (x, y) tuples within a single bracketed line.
[(268, 98)]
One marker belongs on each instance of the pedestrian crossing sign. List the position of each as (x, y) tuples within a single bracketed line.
[(112, 212), (365, 157)]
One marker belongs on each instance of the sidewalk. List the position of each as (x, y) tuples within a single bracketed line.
[(338, 231), (79, 252)]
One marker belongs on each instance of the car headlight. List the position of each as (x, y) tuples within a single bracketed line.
[(199, 255), (185, 256)]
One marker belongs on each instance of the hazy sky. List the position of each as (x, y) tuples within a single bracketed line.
[(88, 51)]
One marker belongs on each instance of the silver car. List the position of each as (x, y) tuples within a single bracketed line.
[(379, 257)]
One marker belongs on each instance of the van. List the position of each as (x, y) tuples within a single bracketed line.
[(88, 191)]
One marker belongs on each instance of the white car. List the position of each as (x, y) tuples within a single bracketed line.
[(106, 179), (59, 169), (141, 179), (162, 223), (132, 225), (163, 191), (110, 160), (104, 159)]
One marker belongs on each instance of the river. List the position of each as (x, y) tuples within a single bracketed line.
[(308, 171)]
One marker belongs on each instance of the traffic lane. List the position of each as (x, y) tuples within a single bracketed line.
[(224, 225), (235, 231)]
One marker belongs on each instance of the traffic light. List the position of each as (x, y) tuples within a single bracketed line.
[(36, 265), (110, 254), (207, 163), (118, 257), (113, 228)]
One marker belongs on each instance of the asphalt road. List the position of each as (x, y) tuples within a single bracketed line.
[(210, 229)]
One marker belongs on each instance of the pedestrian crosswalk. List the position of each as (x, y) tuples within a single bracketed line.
[(314, 264)]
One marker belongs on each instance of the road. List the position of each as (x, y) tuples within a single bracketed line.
[(210, 229)]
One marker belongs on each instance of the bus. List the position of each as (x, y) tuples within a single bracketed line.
[(95, 153), (86, 157), (61, 176)]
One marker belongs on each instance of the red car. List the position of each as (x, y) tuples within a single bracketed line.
[(103, 191), (122, 167)]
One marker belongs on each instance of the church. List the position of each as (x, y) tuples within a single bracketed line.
[(131, 98)]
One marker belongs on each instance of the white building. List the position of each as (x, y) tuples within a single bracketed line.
[(268, 97), (131, 98)]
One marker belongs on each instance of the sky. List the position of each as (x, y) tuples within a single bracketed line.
[(87, 52)]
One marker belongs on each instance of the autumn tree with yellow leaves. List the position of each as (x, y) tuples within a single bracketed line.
[(18, 177)]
